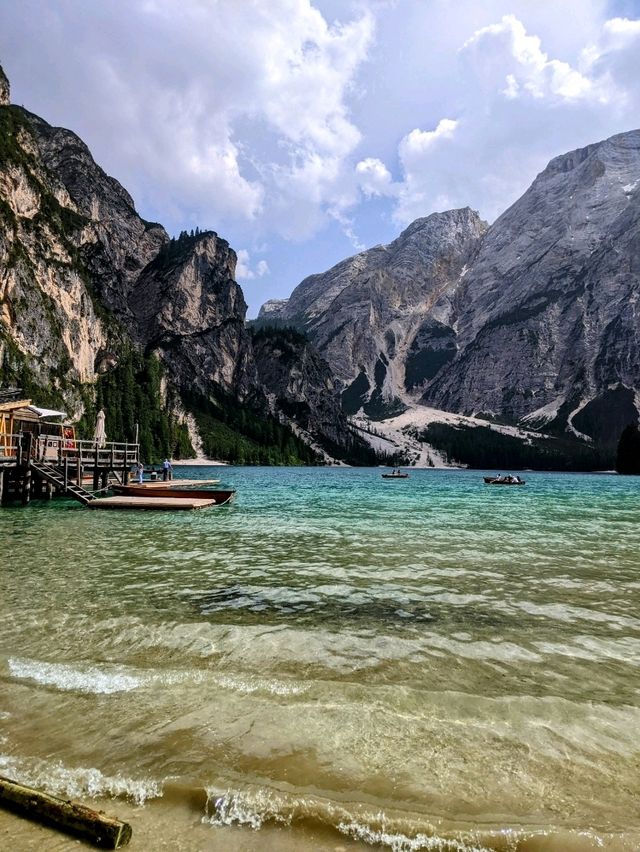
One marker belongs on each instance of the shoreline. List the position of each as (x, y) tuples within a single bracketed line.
[(198, 462), (181, 824)]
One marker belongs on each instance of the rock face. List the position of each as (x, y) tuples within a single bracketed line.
[(5, 91), (365, 313), (187, 307), (49, 327), (300, 383), (547, 318)]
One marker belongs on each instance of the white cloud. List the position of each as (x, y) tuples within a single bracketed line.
[(622, 29), (506, 48), (416, 144), (245, 271), (374, 178)]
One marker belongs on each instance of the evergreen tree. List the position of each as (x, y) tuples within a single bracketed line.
[(628, 458)]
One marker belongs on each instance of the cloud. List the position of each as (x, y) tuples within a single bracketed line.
[(416, 144), (244, 269), (506, 48), (206, 110), (374, 178)]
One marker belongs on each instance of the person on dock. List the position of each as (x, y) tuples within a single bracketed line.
[(140, 470), (166, 470)]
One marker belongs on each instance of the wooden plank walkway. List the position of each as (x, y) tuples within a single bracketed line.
[(166, 503)]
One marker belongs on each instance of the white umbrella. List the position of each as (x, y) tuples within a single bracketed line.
[(99, 435)]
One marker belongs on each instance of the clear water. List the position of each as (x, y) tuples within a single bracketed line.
[(425, 663)]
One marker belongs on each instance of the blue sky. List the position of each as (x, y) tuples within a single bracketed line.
[(303, 132)]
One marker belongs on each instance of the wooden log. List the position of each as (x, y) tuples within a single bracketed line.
[(98, 828)]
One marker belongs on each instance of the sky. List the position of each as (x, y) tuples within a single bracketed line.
[(304, 131)]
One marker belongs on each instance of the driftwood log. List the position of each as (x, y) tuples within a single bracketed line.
[(94, 826)]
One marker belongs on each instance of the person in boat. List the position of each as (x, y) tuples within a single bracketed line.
[(140, 470), (166, 470)]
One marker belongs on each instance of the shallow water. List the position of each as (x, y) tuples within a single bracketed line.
[(428, 663)]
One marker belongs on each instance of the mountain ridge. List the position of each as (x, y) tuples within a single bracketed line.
[(540, 324)]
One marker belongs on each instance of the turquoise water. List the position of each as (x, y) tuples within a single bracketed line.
[(425, 663)]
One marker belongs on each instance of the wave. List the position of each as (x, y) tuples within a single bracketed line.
[(77, 782), (249, 685), (106, 679), (399, 831)]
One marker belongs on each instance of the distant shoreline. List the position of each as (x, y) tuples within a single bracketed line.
[(200, 462)]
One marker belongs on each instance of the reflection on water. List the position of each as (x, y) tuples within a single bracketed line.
[(402, 661)]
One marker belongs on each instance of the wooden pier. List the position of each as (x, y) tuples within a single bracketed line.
[(33, 466), (40, 458)]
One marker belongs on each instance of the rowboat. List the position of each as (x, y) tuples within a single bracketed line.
[(164, 489), (395, 475), (495, 480)]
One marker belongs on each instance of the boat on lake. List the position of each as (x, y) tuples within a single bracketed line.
[(395, 474), (167, 489), (504, 480)]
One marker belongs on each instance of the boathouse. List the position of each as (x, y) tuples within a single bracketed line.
[(40, 455)]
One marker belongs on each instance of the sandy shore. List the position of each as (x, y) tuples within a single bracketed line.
[(163, 825)]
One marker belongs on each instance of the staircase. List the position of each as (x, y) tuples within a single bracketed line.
[(46, 471)]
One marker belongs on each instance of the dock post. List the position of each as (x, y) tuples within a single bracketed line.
[(26, 487), (1, 485), (66, 474), (79, 471), (49, 491)]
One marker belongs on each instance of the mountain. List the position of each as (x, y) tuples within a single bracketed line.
[(547, 324), (93, 297), (367, 312), (533, 320)]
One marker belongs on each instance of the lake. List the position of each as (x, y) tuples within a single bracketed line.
[(334, 661)]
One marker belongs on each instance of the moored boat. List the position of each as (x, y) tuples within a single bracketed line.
[(504, 480), (167, 490)]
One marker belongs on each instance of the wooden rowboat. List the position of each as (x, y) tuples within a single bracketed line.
[(491, 480), (395, 476), (167, 490)]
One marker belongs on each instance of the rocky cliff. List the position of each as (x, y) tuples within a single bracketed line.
[(534, 319), (300, 384)]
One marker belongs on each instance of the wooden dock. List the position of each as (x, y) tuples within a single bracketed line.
[(166, 503)]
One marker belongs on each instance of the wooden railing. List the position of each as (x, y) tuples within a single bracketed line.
[(19, 448), (113, 455)]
